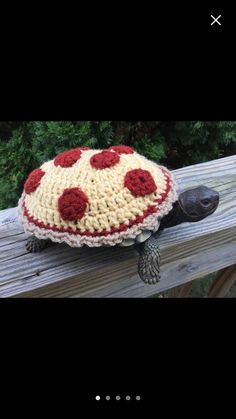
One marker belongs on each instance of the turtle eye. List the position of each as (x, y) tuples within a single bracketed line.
[(205, 202)]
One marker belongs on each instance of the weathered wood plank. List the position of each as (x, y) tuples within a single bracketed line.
[(188, 251), (223, 282)]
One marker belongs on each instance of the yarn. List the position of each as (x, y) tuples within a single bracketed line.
[(33, 180), (68, 158), (104, 159), (72, 204), (140, 182), (121, 149), (104, 197), (122, 227)]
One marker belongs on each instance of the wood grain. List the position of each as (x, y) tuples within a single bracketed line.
[(182, 291), (223, 282), (188, 251)]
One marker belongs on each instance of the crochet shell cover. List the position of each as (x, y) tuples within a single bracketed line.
[(96, 197)]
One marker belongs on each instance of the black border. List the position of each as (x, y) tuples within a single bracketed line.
[(78, 348), (143, 64)]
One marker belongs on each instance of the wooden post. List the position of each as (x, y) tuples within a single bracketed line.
[(181, 291), (223, 282)]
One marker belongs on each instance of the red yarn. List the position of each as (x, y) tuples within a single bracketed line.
[(140, 182), (68, 158), (33, 180), (121, 149), (168, 187), (104, 159), (72, 204), (123, 227)]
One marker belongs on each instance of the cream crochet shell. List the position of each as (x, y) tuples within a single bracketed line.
[(96, 197)]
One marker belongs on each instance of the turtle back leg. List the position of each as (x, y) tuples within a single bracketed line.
[(34, 244), (149, 260)]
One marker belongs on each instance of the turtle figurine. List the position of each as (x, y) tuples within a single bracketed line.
[(87, 197)]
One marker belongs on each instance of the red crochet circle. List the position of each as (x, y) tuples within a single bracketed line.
[(72, 204), (33, 180), (68, 158), (121, 149), (104, 159), (140, 182)]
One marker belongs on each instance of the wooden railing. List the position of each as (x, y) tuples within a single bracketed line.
[(188, 251)]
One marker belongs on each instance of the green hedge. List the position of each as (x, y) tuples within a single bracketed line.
[(26, 145)]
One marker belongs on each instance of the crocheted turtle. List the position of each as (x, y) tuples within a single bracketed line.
[(105, 198)]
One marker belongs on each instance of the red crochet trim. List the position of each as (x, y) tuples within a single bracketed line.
[(168, 187), (68, 158), (104, 159), (33, 180), (121, 149), (72, 204), (123, 227), (140, 182)]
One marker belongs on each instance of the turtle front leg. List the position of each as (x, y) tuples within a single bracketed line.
[(149, 260), (34, 244)]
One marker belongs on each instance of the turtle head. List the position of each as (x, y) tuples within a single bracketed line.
[(196, 204)]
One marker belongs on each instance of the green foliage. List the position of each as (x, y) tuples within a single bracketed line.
[(36, 142), (60, 136), (145, 137), (24, 146), (16, 161), (6, 129), (203, 141)]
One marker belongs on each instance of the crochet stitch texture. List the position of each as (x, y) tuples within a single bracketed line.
[(96, 197)]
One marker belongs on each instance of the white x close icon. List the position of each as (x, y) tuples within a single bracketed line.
[(215, 20)]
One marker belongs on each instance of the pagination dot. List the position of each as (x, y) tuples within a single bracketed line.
[(97, 397), (117, 397), (108, 398), (138, 397), (127, 397)]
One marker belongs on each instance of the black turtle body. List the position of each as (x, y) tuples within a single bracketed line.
[(193, 205)]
